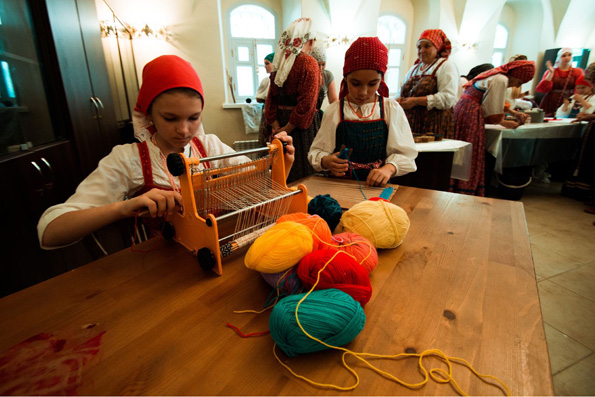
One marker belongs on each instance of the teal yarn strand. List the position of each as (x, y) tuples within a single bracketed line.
[(327, 208), (330, 315)]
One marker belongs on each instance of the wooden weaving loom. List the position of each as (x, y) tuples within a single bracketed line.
[(238, 202)]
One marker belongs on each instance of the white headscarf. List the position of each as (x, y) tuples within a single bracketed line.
[(289, 46), (560, 53)]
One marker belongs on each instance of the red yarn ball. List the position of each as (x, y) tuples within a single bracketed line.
[(342, 273), (321, 233), (360, 247)]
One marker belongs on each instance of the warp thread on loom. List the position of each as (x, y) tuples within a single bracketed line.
[(383, 223), (327, 208), (342, 272)]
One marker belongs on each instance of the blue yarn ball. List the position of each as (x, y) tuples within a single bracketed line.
[(330, 315), (327, 208)]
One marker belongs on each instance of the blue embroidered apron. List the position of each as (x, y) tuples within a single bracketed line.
[(367, 140)]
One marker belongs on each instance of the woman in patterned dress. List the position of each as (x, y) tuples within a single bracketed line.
[(558, 82), (291, 102), (483, 102), (430, 89)]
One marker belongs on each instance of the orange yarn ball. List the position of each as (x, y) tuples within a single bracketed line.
[(358, 246), (322, 235)]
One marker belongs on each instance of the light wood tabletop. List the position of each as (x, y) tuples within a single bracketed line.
[(154, 322)]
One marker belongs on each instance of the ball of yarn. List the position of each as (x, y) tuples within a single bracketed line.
[(360, 247), (279, 248), (287, 282), (384, 224), (322, 234), (341, 272), (327, 208), (330, 315)]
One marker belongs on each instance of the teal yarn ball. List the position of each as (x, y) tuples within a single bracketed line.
[(327, 208), (330, 315)]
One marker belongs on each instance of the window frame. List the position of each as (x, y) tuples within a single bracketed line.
[(402, 47), (234, 42)]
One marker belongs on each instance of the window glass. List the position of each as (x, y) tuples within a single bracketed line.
[(497, 59), (394, 57), (245, 81), (391, 29), (262, 50), (243, 54), (501, 37), (252, 21), (392, 79)]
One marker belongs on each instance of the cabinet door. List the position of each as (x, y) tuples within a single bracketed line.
[(94, 127), (36, 180)]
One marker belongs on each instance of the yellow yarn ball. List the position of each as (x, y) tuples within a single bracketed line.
[(384, 224), (279, 248)]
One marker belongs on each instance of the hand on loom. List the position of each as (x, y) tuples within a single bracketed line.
[(289, 149), (155, 202), (381, 176)]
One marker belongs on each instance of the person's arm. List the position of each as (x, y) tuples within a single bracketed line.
[(448, 84), (492, 106), (332, 93), (564, 109), (546, 84), (74, 225)]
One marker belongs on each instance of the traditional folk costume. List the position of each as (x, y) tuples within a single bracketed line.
[(382, 135), (559, 87), (581, 185), (574, 107), (293, 93), (483, 102), (133, 169), (439, 83), (319, 54)]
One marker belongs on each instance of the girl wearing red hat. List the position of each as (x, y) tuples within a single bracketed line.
[(582, 101), (431, 86), (372, 127), (481, 103), (167, 119)]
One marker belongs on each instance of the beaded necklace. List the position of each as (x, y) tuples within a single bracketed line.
[(362, 116)]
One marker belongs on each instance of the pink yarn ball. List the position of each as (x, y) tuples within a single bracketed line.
[(360, 247)]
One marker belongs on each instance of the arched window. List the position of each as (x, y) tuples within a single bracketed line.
[(500, 44), (251, 37), (392, 31)]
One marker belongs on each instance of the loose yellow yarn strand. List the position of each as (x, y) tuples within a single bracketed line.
[(271, 305), (447, 376)]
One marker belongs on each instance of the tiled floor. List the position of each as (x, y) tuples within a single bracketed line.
[(563, 243)]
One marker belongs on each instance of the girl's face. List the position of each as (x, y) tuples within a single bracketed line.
[(426, 52), (514, 81), (566, 58), (582, 90), (268, 66), (322, 66), (362, 86), (176, 116)]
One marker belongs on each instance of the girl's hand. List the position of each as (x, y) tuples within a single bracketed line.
[(337, 166), (289, 148), (381, 176), (509, 124), (158, 202), (549, 66), (408, 103)]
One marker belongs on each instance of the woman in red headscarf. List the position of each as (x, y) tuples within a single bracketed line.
[(431, 86), (481, 103), (558, 81), (371, 128), (167, 119)]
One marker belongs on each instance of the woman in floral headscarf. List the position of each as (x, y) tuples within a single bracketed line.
[(291, 102), (431, 86), (483, 102), (558, 81)]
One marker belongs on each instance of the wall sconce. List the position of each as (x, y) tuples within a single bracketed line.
[(467, 46), (337, 40), (109, 29)]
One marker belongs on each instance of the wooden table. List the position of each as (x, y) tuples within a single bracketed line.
[(462, 281)]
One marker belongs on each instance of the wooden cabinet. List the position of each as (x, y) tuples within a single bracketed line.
[(73, 68)]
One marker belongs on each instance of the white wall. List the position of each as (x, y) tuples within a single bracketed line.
[(196, 34)]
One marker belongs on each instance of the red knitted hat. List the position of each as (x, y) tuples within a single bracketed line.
[(366, 53), (164, 73)]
